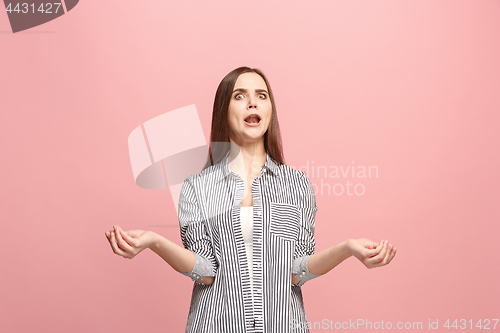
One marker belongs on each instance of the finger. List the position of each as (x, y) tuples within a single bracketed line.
[(369, 244), (393, 254), (130, 240), (121, 243), (108, 236), (388, 254), (388, 257), (380, 257), (115, 247), (376, 251)]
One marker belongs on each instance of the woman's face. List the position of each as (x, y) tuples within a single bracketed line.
[(250, 109)]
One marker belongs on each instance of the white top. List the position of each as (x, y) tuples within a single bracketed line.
[(247, 231)]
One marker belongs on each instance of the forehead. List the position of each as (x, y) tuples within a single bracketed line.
[(250, 80)]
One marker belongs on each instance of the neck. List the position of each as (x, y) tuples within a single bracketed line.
[(247, 160)]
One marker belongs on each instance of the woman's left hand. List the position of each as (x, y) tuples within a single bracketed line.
[(370, 253)]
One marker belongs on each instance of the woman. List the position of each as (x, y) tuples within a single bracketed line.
[(247, 223)]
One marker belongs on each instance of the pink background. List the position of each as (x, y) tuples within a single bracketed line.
[(411, 87)]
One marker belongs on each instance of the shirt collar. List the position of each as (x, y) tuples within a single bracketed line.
[(223, 166)]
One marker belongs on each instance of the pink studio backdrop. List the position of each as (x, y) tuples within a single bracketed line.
[(408, 87)]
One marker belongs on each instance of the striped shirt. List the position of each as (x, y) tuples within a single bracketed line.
[(284, 210)]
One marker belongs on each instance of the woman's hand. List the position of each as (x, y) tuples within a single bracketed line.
[(130, 243), (370, 253)]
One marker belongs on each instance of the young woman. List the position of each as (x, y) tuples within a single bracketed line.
[(247, 223)]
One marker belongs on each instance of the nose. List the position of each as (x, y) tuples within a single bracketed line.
[(252, 102)]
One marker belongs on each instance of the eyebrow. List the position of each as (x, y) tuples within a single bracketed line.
[(245, 90)]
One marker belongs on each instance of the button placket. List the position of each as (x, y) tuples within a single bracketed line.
[(257, 251)]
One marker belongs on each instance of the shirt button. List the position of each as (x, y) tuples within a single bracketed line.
[(259, 265), (259, 240), (259, 213)]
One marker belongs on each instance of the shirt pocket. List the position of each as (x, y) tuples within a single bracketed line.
[(284, 220)]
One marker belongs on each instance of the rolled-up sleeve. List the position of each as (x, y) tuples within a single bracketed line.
[(305, 244), (194, 234)]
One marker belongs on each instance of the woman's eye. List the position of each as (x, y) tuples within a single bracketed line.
[(238, 96), (263, 96)]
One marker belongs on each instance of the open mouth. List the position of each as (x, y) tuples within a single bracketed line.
[(252, 119)]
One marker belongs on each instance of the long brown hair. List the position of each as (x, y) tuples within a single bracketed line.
[(219, 135)]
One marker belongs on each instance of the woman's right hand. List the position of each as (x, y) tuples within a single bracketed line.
[(130, 243)]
